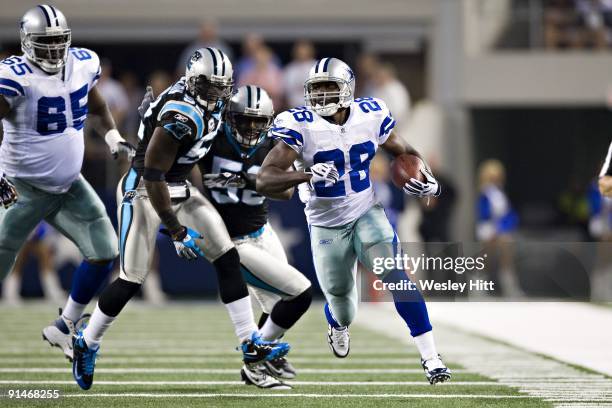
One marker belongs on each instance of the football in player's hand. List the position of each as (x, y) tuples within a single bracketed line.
[(405, 167)]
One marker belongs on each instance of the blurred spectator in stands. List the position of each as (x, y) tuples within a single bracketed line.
[(600, 229), (96, 168), (600, 210), (296, 72), (36, 247), (252, 43), (159, 80), (496, 223), (367, 64), (207, 37), (496, 218), (134, 91), (113, 92), (387, 87), (265, 73), (573, 205), (578, 23)]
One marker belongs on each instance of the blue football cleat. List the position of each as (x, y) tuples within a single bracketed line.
[(256, 350), (83, 362), (435, 370)]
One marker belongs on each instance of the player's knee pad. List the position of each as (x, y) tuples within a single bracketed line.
[(116, 295), (287, 311), (303, 300), (229, 277)]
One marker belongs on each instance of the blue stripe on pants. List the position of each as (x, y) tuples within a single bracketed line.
[(126, 211)]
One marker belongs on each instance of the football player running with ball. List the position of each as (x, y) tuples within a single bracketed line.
[(45, 97), (332, 141), (176, 132), (230, 170)]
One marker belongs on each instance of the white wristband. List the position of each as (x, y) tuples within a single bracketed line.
[(113, 137)]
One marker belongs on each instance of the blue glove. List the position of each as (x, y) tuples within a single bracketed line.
[(185, 244)]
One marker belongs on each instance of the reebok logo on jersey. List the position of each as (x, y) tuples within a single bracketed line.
[(326, 241), (180, 117)]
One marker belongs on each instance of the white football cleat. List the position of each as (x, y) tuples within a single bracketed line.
[(255, 374), (435, 370), (339, 340), (60, 332)]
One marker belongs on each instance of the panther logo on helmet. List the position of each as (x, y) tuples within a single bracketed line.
[(209, 78)]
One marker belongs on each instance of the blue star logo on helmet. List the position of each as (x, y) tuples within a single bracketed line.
[(351, 74)]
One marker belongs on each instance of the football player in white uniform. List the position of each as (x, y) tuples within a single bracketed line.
[(45, 96), (331, 142)]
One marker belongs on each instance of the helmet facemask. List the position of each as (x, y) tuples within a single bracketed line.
[(209, 92), (249, 130), (48, 51), (324, 101)]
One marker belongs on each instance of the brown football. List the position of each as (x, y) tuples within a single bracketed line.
[(405, 167)]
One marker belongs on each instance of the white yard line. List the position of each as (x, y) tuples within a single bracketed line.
[(213, 370), (58, 359), (292, 395), (535, 375), (326, 383)]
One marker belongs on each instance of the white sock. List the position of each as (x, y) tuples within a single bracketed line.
[(426, 345), (51, 285), (241, 315), (98, 324), (73, 310), (271, 331)]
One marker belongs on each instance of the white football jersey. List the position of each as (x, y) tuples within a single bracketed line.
[(350, 147), (43, 133)]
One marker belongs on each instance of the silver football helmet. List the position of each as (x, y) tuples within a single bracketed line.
[(249, 115), (324, 71), (45, 37), (209, 77)]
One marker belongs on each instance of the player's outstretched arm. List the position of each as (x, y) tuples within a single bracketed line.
[(274, 180), (117, 144)]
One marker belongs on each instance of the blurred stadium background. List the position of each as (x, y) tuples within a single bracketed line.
[(525, 82), (509, 101)]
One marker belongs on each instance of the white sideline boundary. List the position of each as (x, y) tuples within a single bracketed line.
[(549, 328), (511, 366)]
